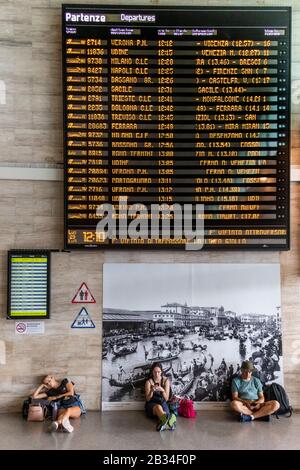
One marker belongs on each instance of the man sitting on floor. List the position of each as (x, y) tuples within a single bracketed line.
[(248, 397)]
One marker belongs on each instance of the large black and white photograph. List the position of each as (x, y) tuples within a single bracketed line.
[(200, 321)]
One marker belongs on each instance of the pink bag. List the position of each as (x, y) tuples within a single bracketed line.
[(36, 413), (186, 408)]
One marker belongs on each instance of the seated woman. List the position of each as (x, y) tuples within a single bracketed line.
[(68, 405), (157, 391)]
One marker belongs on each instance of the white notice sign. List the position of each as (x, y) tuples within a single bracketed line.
[(29, 327)]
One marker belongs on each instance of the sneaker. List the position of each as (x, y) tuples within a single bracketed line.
[(264, 418), (172, 422), (245, 418), (66, 425), (163, 423), (53, 426)]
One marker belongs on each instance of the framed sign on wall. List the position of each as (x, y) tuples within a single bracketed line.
[(199, 320), (28, 286)]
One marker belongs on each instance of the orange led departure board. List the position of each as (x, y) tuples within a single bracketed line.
[(176, 127)]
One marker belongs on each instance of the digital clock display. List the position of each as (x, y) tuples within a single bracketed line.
[(175, 114)]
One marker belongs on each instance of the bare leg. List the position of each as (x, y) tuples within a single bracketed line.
[(73, 412), (238, 407), (266, 408), (162, 417), (63, 418), (63, 413), (158, 411)]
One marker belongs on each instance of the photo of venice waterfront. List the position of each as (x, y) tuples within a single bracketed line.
[(200, 347)]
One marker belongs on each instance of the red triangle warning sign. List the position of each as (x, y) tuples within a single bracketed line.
[(83, 295)]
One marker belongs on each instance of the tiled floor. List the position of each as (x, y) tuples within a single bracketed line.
[(127, 430)]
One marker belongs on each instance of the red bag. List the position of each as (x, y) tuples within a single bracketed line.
[(186, 408)]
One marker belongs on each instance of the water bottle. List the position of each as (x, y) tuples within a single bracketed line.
[(54, 405)]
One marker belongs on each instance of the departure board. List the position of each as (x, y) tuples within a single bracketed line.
[(28, 284), (176, 127)]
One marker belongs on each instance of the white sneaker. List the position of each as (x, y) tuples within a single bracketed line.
[(54, 426), (66, 425)]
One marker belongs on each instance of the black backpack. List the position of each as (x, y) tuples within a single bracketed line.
[(276, 392)]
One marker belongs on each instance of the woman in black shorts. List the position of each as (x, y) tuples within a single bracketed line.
[(68, 404), (157, 391)]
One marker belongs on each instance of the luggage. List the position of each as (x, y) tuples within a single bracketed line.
[(186, 408), (276, 392), (36, 412)]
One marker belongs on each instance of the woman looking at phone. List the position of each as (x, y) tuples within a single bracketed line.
[(157, 392)]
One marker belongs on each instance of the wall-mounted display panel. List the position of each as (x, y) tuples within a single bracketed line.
[(28, 288), (176, 107)]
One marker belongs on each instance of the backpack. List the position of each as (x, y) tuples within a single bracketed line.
[(276, 392), (36, 412), (186, 408)]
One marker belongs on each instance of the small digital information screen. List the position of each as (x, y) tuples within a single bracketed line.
[(28, 284), (176, 127)]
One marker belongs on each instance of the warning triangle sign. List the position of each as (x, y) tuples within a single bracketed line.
[(83, 295), (83, 320)]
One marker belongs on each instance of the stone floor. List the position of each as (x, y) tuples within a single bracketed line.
[(127, 430)]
